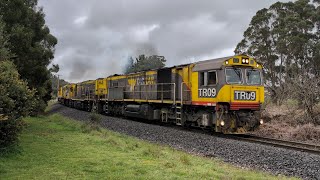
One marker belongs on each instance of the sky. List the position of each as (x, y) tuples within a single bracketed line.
[(96, 37)]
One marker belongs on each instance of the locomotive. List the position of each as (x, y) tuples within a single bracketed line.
[(224, 95)]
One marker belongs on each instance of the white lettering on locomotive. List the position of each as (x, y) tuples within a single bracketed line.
[(245, 95), (140, 81), (207, 92)]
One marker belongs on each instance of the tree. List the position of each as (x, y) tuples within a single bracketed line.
[(16, 101), (54, 82), (55, 68), (4, 52), (285, 38), (143, 62), (129, 66), (31, 43)]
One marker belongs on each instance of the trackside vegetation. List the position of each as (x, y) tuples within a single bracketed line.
[(16, 101), (60, 148), (285, 38), (26, 51)]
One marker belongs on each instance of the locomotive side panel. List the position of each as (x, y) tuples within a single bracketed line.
[(141, 86), (206, 85), (116, 87), (181, 76)]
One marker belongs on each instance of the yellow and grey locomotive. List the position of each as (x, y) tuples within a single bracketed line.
[(223, 94)]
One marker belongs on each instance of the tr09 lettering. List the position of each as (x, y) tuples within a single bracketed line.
[(245, 95), (207, 92)]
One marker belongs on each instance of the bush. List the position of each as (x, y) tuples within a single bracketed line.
[(306, 132), (16, 101), (94, 118), (304, 90), (92, 124)]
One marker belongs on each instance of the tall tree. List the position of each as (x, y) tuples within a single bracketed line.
[(284, 38), (143, 62), (31, 43), (16, 101), (4, 51), (316, 59), (55, 68)]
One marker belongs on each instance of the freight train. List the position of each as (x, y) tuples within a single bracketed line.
[(224, 95)]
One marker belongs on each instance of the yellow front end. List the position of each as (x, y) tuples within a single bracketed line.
[(65, 92), (235, 92), (232, 94), (60, 92), (72, 91), (101, 88)]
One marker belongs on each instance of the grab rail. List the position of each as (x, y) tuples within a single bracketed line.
[(171, 90)]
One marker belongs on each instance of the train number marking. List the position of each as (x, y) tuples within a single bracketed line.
[(245, 95), (207, 92)]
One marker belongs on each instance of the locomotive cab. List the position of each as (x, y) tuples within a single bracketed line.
[(233, 86)]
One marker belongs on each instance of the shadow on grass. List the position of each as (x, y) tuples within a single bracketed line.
[(11, 150)]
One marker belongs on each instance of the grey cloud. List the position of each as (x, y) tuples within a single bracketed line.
[(97, 37)]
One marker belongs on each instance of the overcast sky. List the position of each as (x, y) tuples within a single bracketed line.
[(96, 37)]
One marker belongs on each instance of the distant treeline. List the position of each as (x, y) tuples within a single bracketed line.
[(54, 81)]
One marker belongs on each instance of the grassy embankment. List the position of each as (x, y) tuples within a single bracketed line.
[(60, 148)]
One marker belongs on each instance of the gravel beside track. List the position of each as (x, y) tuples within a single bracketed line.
[(241, 153)]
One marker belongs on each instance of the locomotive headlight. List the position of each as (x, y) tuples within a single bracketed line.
[(261, 121), (257, 65), (243, 60), (222, 123), (247, 61), (227, 62)]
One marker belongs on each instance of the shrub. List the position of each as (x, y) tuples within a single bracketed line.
[(92, 124), (306, 132), (16, 101), (304, 89), (95, 118)]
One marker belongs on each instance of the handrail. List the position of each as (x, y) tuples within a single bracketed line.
[(173, 90), (182, 91)]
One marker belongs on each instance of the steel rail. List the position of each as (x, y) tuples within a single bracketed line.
[(304, 147)]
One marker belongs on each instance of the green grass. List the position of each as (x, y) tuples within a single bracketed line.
[(50, 104), (55, 147)]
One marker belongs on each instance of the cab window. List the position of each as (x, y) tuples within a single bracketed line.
[(201, 78), (234, 76), (207, 78), (212, 78), (253, 77)]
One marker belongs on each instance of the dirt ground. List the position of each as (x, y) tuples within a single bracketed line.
[(287, 122)]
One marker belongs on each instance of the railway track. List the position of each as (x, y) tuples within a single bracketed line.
[(310, 148), (303, 147), (297, 146)]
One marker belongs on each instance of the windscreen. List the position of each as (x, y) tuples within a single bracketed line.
[(253, 77), (233, 76)]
